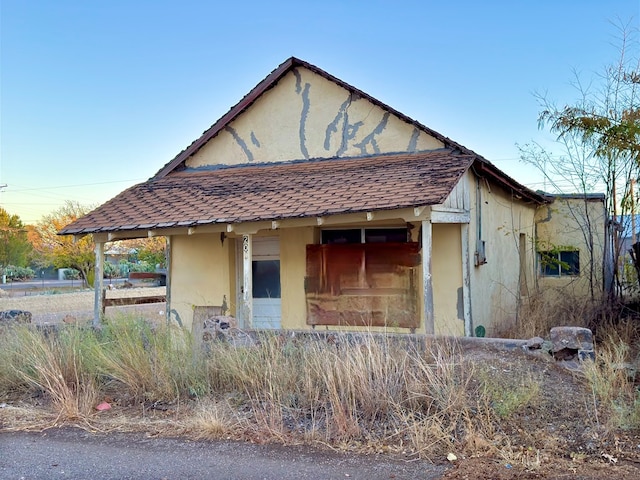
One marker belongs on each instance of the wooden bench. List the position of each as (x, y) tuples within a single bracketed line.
[(121, 301), (158, 277)]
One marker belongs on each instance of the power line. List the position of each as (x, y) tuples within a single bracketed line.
[(28, 189)]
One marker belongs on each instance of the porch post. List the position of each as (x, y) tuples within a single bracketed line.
[(466, 281), (247, 281), (167, 266), (98, 284), (427, 281)]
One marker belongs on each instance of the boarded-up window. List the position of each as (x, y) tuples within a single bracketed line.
[(363, 284)]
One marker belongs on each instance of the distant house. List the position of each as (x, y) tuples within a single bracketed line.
[(118, 253), (311, 204), (574, 245)]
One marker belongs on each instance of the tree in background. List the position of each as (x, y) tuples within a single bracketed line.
[(65, 251), (15, 248), (600, 137), (150, 250)]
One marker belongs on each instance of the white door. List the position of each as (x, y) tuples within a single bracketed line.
[(265, 270)]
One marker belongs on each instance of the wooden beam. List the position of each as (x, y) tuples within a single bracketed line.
[(466, 281), (438, 216), (247, 283), (427, 279), (167, 263), (98, 284)]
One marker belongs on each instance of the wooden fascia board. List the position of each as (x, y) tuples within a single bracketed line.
[(508, 183), (359, 218)]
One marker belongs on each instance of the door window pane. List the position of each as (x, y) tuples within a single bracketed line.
[(266, 278)]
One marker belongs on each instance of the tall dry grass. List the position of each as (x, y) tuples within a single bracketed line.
[(372, 391)]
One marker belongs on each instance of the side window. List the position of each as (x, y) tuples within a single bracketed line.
[(561, 263)]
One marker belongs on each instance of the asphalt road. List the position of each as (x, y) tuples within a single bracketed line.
[(76, 454)]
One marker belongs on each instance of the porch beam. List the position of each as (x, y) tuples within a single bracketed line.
[(440, 214), (98, 284), (427, 279), (247, 280)]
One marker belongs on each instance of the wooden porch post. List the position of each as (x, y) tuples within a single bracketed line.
[(98, 284), (427, 280), (466, 281), (167, 265), (247, 281)]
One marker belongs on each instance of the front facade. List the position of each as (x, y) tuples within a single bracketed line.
[(312, 205)]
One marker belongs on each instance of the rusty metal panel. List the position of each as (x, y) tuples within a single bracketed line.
[(363, 284)]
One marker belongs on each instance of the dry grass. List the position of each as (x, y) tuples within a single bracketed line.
[(367, 392)]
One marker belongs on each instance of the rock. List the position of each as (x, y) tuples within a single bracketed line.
[(534, 343), (218, 326), (17, 316), (569, 343), (575, 338)]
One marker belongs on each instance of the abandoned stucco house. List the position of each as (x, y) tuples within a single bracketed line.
[(311, 204)]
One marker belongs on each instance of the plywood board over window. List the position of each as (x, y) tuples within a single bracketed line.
[(366, 284)]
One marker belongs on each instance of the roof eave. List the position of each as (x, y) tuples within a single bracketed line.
[(508, 183)]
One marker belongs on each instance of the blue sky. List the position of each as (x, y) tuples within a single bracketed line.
[(98, 96)]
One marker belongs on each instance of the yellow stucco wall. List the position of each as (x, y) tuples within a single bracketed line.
[(293, 261), (306, 116), (496, 286), (447, 279), (563, 224), (203, 268), (201, 273)]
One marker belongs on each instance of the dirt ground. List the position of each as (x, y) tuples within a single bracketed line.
[(78, 306), (560, 438)]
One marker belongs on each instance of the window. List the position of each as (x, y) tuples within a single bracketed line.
[(364, 235), (363, 277), (559, 263)]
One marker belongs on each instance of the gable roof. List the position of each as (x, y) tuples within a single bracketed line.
[(268, 83), (279, 191), (180, 197)]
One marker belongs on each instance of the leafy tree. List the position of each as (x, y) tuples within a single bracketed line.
[(65, 251), (151, 250), (15, 248), (600, 137)]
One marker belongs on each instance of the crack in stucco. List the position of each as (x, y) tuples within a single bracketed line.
[(413, 142), (240, 142), (296, 74), (371, 138), (349, 130), (306, 104), (255, 140)]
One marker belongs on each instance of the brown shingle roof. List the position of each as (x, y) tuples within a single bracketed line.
[(279, 191)]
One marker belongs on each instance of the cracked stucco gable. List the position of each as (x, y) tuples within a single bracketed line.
[(307, 116)]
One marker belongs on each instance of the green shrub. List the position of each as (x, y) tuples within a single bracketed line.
[(17, 274)]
